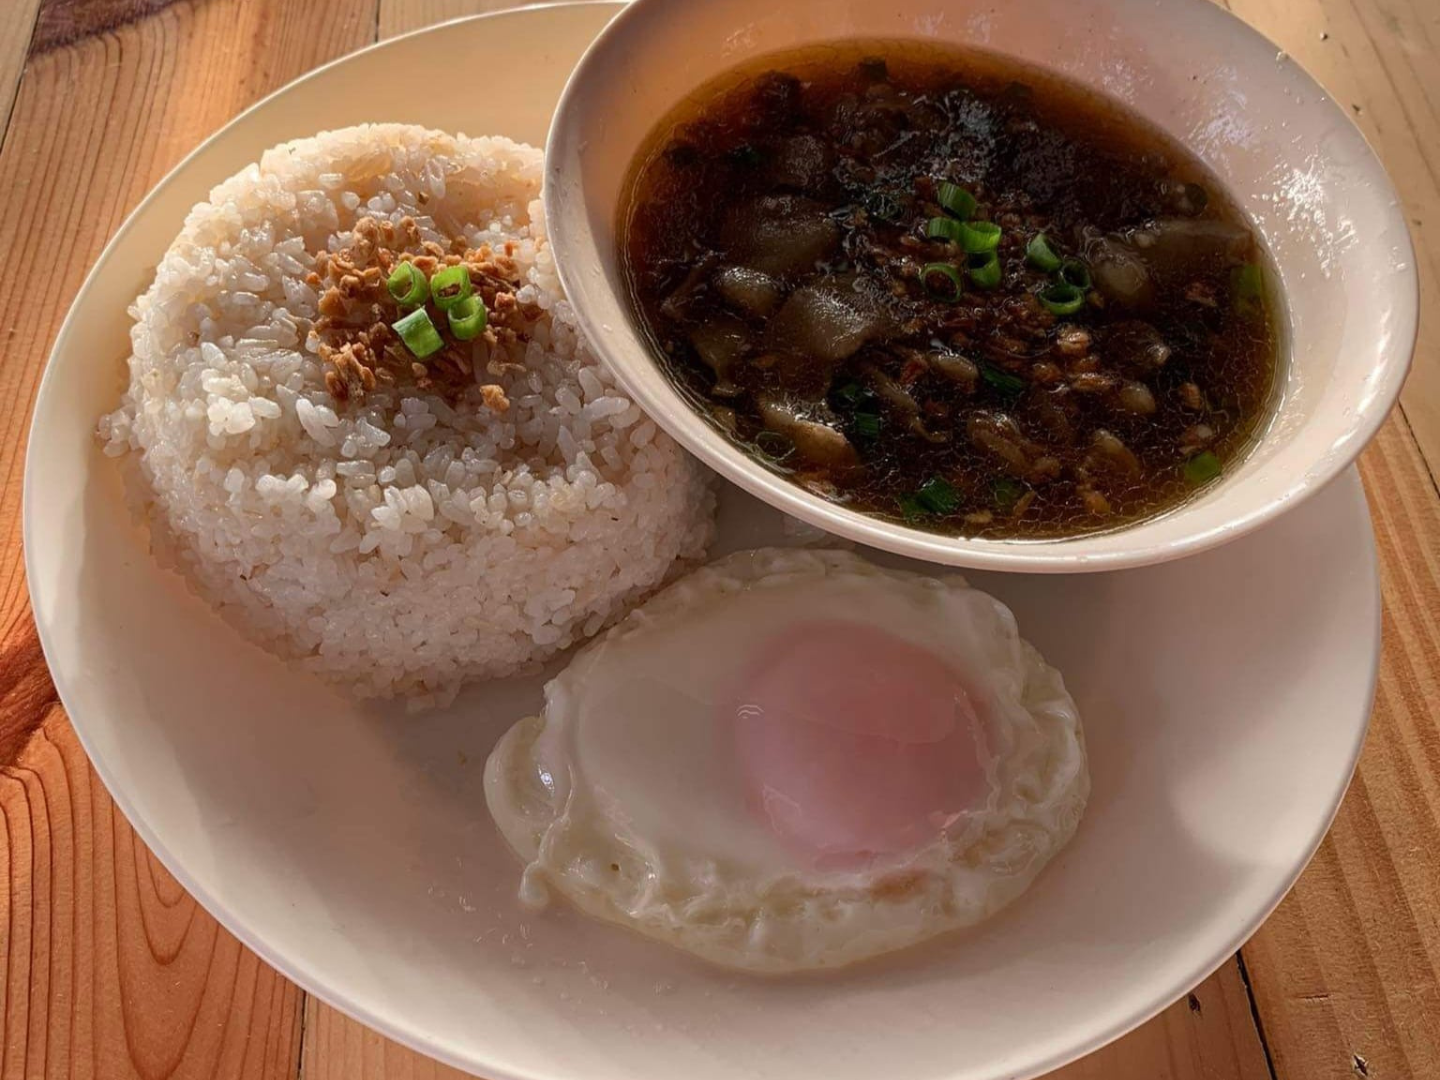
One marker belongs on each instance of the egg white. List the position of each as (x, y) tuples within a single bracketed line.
[(620, 798)]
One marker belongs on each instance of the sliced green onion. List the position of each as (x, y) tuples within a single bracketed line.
[(1039, 254), (450, 286), (956, 200), (867, 424), (943, 228), (850, 393), (1247, 288), (1007, 493), (937, 496), (1062, 298), (978, 236), (1202, 468), (1076, 273), (467, 318), (1247, 281), (1001, 380), (984, 269), (419, 333), (407, 285), (942, 281)]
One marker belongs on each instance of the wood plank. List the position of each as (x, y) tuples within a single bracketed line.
[(63, 22), (26, 692), (110, 969), (1378, 59), (17, 23), (1207, 1036), (338, 1048), (1346, 974), (107, 105)]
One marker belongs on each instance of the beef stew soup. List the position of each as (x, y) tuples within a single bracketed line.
[(937, 287)]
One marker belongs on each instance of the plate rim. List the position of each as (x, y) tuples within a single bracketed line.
[(441, 1048)]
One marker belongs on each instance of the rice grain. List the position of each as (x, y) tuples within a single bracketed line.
[(402, 543)]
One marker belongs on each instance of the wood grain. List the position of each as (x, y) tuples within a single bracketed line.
[(96, 123), (62, 22), (338, 1048), (107, 969), (1378, 59), (110, 969), (17, 21), (1207, 1035), (1346, 973)]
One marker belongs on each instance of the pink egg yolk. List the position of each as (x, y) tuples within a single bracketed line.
[(854, 743)]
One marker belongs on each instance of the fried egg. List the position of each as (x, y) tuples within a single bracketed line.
[(795, 759)]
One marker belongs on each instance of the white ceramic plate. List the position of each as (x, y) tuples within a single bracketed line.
[(1225, 700)]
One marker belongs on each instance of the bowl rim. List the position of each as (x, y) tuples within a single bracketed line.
[(574, 243)]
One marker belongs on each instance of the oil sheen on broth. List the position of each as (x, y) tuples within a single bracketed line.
[(937, 287)]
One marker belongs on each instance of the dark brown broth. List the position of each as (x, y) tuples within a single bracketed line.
[(1015, 421)]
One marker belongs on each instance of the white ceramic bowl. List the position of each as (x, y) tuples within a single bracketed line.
[(1292, 159)]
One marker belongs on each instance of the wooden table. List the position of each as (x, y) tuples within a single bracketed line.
[(109, 970)]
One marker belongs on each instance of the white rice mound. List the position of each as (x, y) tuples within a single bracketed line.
[(398, 546)]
